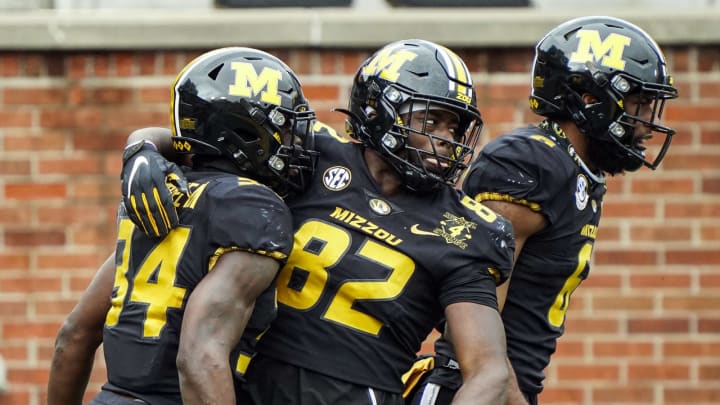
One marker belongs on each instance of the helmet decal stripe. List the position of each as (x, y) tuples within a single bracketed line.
[(457, 70), (449, 66)]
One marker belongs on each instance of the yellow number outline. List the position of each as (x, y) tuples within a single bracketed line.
[(319, 247), (485, 213), (556, 313), (159, 295)]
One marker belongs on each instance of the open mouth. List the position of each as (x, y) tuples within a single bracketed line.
[(640, 143), (641, 140), (435, 166)]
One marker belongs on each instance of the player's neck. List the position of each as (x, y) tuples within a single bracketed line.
[(385, 177), (579, 141)]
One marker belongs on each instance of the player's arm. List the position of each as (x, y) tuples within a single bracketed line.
[(160, 137), (214, 320), (78, 339), (479, 340), (525, 224), (145, 173)]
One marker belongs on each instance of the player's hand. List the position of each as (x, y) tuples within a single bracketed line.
[(148, 180)]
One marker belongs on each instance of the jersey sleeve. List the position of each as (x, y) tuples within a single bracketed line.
[(476, 286), (491, 253), (245, 215), (519, 169)]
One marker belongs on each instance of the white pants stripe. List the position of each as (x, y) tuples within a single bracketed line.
[(429, 394), (371, 396)]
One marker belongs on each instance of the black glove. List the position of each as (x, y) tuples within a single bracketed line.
[(147, 196)]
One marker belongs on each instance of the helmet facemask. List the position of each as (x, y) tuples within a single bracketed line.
[(426, 153), (622, 135), (401, 127), (270, 143), (295, 160)]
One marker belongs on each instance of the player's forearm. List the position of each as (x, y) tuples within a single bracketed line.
[(205, 383), (160, 137), (78, 339), (203, 364), (514, 395), (71, 366), (206, 341), (487, 387)]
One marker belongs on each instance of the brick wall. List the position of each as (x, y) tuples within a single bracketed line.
[(643, 329)]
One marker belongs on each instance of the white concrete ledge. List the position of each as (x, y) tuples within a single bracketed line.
[(167, 29)]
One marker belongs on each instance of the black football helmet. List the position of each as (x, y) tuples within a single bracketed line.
[(245, 106), (609, 59), (413, 77)]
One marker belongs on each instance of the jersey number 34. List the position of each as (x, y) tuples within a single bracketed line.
[(153, 282)]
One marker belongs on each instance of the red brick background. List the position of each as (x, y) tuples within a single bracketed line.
[(643, 329)]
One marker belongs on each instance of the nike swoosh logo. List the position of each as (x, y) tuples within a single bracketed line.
[(141, 160), (417, 231)]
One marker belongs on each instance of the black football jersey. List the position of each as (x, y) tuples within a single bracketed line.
[(155, 277), (537, 167), (370, 275)]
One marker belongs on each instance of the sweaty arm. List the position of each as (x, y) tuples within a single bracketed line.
[(215, 318), (525, 224), (78, 339), (479, 341)]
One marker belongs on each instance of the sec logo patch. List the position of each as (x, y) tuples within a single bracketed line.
[(337, 178), (581, 192)]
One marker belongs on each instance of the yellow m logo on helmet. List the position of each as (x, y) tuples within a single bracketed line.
[(608, 52), (249, 83), (387, 63)]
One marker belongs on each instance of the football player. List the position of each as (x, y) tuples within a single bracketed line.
[(385, 247), (182, 312), (601, 84)]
